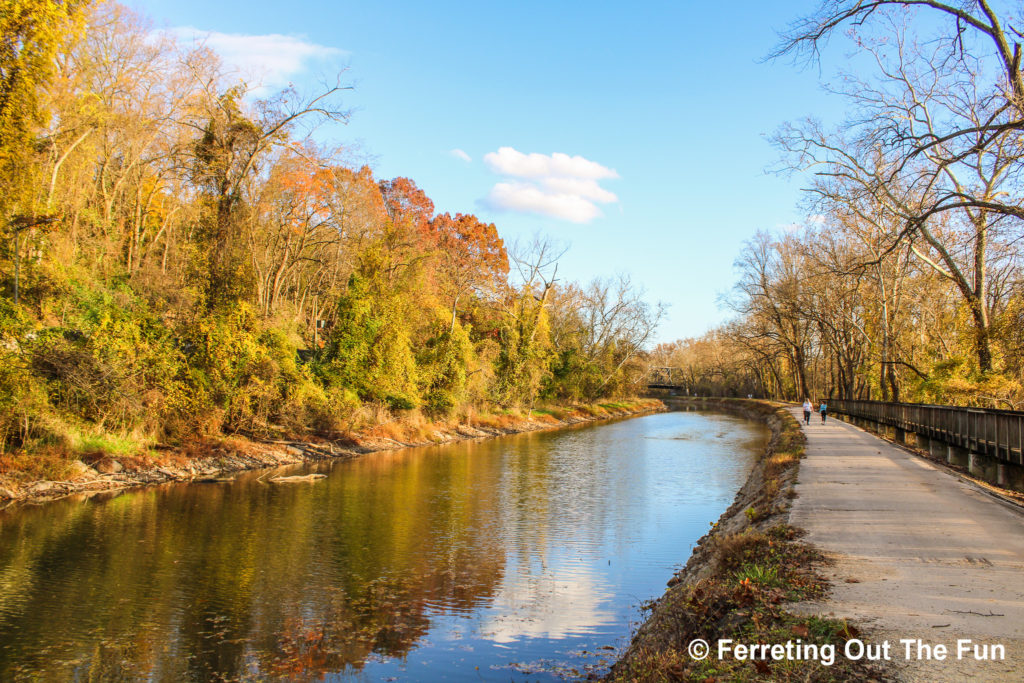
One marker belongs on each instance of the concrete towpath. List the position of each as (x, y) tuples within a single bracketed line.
[(919, 554)]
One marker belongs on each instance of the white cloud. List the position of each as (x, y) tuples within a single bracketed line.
[(585, 188), (511, 162), (556, 185), (528, 198), (272, 59), (459, 154)]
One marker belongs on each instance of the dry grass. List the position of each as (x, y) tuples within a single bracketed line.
[(48, 464), (732, 550), (758, 572), (58, 462), (500, 421)]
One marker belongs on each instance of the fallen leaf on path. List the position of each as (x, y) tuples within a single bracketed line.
[(848, 631)]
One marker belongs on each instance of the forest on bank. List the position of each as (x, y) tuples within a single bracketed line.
[(180, 258), (905, 282)]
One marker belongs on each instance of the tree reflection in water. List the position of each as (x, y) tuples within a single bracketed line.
[(530, 539)]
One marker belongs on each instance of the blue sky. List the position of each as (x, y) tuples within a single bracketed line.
[(661, 112)]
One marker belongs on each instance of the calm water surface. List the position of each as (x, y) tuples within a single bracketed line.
[(521, 558)]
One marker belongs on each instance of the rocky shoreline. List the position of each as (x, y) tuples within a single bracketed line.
[(237, 454)]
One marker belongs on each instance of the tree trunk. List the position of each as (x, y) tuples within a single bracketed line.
[(982, 336)]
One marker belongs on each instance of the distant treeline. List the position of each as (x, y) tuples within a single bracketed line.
[(905, 282), (180, 258)]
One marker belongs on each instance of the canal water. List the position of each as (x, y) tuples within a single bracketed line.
[(521, 558)]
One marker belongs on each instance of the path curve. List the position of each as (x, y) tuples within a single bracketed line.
[(918, 553)]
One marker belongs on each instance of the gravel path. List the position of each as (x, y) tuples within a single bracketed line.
[(919, 554)]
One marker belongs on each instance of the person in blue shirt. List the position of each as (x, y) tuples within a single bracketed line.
[(824, 411)]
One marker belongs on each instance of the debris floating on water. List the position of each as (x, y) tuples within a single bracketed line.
[(298, 478)]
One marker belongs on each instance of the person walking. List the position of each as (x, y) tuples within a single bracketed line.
[(807, 411), (824, 411)]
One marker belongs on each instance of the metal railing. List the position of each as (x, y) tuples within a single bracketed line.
[(995, 433)]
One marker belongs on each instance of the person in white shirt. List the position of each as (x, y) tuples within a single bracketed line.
[(807, 411)]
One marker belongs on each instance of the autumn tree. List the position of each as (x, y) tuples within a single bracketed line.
[(183, 261), (471, 257), (596, 332), (933, 142), (291, 226), (406, 203), (769, 295), (31, 33), (229, 153), (968, 34), (525, 356), (369, 350)]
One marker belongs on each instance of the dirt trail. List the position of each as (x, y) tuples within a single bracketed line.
[(918, 554)]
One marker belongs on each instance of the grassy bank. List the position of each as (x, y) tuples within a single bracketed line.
[(113, 464), (740, 577)]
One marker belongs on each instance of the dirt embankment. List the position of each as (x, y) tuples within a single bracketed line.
[(209, 461), (740, 577)]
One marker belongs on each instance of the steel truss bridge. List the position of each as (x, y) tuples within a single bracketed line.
[(666, 378)]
